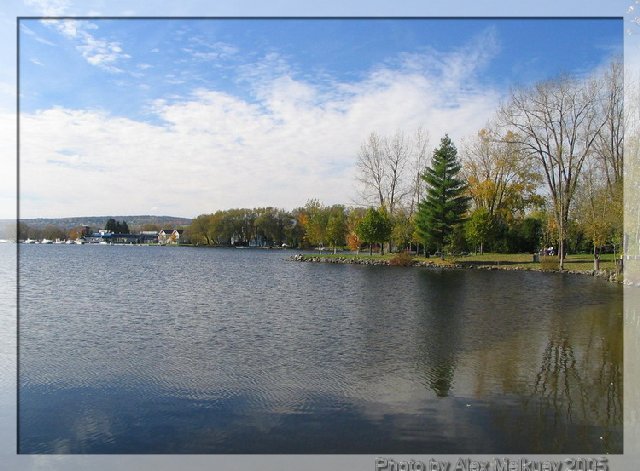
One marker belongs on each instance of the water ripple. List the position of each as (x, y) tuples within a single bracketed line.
[(214, 346)]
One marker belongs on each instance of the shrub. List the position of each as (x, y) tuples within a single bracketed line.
[(548, 262), (402, 259)]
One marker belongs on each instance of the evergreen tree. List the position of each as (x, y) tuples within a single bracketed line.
[(111, 225), (445, 202), (117, 227), (123, 227)]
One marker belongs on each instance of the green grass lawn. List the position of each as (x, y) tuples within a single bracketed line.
[(572, 262)]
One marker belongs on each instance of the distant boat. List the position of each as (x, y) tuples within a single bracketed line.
[(46, 241), (79, 241), (29, 241), (69, 241)]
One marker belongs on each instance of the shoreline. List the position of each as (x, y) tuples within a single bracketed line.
[(607, 275)]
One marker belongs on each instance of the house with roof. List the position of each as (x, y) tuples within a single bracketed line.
[(171, 236), (149, 237)]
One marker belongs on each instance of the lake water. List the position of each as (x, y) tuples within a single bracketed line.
[(194, 350)]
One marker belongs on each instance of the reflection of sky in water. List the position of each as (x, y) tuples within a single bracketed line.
[(102, 421), (131, 349), (7, 345)]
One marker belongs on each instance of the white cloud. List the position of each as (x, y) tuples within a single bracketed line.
[(8, 174), (34, 35), (98, 52), (206, 51), (272, 65), (101, 53), (49, 7), (214, 150)]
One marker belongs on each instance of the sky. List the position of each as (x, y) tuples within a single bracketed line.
[(187, 116), (181, 117)]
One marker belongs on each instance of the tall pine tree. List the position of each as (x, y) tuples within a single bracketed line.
[(445, 202)]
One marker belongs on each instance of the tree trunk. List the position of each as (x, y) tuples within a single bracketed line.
[(370, 249)]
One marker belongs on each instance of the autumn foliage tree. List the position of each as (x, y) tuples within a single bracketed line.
[(599, 211), (354, 217), (315, 223), (478, 227), (336, 226), (557, 122), (500, 177)]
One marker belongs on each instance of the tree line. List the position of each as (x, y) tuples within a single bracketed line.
[(430, 224), (546, 171)]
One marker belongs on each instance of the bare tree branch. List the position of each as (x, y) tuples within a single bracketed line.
[(557, 122)]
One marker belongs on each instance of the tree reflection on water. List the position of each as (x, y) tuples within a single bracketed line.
[(582, 386), (556, 372)]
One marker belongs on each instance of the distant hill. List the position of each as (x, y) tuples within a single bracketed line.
[(96, 222)]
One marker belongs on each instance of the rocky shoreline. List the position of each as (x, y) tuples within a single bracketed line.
[(609, 275)]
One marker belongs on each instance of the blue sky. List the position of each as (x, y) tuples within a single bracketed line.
[(122, 65), (223, 113)]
